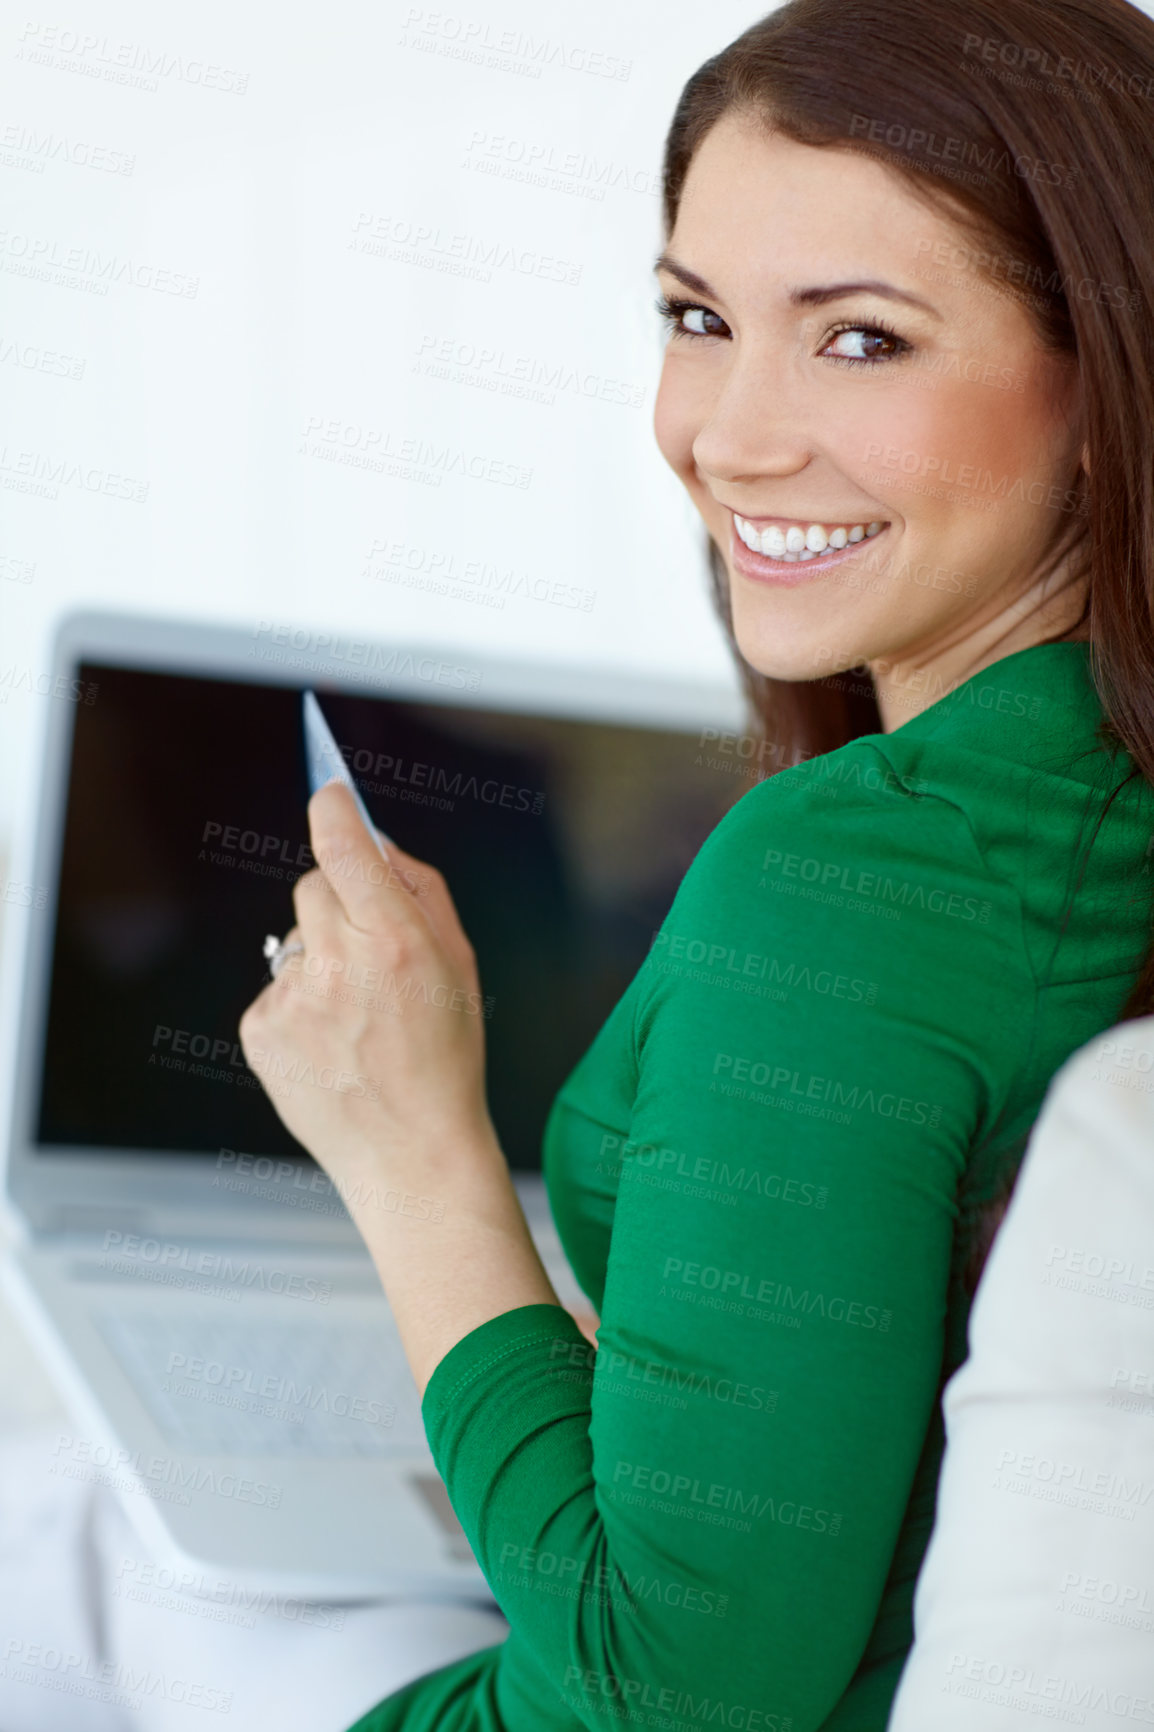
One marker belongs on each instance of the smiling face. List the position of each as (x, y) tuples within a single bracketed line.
[(883, 468)]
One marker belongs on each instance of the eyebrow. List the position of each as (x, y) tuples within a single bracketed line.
[(812, 297)]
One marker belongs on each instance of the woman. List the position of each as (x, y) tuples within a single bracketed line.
[(908, 388)]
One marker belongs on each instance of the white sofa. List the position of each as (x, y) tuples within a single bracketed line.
[(1035, 1604)]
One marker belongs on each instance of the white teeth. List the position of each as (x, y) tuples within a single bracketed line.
[(797, 543)]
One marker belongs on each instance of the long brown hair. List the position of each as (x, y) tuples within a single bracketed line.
[(1065, 87)]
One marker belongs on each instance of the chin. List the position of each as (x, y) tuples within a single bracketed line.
[(765, 652)]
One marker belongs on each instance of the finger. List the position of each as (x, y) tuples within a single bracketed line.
[(435, 901), (414, 875), (368, 886), (295, 963), (588, 1322), (319, 914)]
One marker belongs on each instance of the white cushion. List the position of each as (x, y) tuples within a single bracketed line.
[(1036, 1596)]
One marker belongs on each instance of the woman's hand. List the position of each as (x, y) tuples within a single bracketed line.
[(371, 1044)]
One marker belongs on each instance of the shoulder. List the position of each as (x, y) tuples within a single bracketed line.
[(841, 883), (865, 821), (829, 957)]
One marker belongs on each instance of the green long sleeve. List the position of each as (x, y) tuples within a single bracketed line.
[(758, 1170)]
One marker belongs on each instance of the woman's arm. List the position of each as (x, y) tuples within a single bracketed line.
[(372, 1047)]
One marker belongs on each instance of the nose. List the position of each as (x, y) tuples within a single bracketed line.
[(754, 426)]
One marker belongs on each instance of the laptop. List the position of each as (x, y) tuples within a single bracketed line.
[(191, 1275)]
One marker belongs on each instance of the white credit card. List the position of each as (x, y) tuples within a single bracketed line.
[(325, 763)]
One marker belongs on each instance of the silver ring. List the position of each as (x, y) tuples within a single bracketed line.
[(278, 952)]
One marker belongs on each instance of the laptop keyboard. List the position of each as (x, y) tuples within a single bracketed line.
[(262, 1387)]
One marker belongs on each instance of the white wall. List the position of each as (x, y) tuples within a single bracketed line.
[(119, 188), (206, 295)]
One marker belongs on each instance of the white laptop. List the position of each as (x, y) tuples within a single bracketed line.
[(192, 1278)]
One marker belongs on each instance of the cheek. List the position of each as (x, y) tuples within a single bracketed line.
[(960, 424), (894, 444), (678, 417), (966, 423)]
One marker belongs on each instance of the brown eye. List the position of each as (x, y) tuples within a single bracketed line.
[(688, 319), (696, 322), (868, 343)]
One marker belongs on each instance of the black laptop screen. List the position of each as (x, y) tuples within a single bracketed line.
[(563, 843)]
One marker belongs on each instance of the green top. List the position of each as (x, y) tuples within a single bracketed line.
[(758, 1171)]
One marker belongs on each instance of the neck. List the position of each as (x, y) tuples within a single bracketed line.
[(909, 683)]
